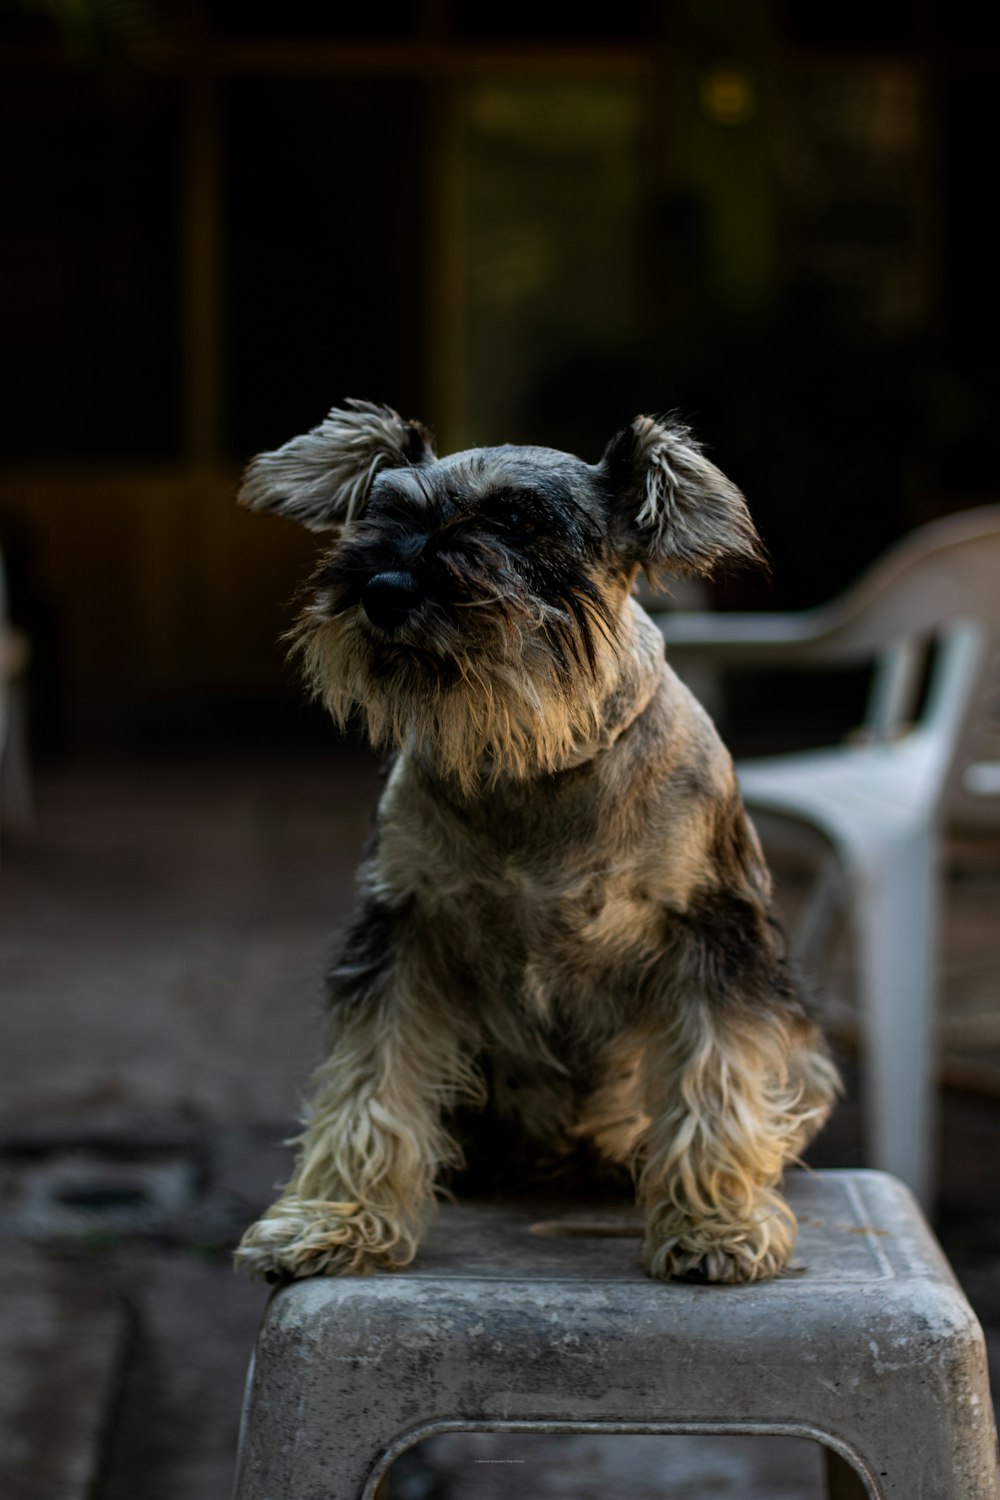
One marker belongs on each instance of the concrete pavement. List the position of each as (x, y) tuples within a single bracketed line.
[(162, 937)]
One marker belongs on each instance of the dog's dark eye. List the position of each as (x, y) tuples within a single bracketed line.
[(519, 524)]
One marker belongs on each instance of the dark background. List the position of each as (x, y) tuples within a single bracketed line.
[(219, 219)]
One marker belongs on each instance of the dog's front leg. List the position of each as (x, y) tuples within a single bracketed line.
[(373, 1141), (732, 1097)]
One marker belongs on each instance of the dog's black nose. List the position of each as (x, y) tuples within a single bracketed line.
[(389, 598)]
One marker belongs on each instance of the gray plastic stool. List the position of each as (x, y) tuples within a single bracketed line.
[(868, 1346)]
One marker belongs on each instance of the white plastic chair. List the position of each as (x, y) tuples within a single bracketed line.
[(926, 758)]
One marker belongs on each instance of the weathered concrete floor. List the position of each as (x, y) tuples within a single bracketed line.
[(162, 936)]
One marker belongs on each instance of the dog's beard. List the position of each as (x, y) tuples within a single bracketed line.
[(526, 699)]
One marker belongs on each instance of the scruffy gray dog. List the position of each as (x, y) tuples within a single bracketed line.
[(565, 908)]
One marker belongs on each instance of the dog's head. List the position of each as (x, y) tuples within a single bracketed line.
[(478, 602)]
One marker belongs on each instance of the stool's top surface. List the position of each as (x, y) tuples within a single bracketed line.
[(854, 1227), (496, 1322), (501, 1323)]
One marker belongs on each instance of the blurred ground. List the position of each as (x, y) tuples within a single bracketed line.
[(162, 936)]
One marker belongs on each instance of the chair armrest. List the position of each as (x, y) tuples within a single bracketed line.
[(758, 637)]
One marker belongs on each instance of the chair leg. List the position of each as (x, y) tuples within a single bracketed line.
[(895, 921), (15, 767), (813, 932)]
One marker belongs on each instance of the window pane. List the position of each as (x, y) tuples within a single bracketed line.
[(566, 20), (851, 24), (323, 252), (89, 274), (310, 17), (549, 220), (966, 23), (849, 162)]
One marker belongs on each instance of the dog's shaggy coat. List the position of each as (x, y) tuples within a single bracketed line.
[(565, 907)]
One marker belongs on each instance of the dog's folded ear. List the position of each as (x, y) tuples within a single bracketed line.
[(672, 510), (323, 477)]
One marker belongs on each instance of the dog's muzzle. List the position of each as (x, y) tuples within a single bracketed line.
[(389, 599)]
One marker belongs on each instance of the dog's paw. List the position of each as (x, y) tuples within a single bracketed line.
[(300, 1237), (734, 1254)]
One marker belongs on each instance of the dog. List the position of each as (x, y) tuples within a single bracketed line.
[(564, 909)]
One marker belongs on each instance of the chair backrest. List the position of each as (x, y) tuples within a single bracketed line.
[(948, 570), (938, 588), (934, 595), (941, 584)]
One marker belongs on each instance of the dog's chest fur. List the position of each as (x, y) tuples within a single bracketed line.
[(554, 903)]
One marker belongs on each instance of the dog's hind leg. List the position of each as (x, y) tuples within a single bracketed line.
[(613, 1117), (373, 1141)]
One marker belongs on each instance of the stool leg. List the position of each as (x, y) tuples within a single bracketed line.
[(842, 1481)]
